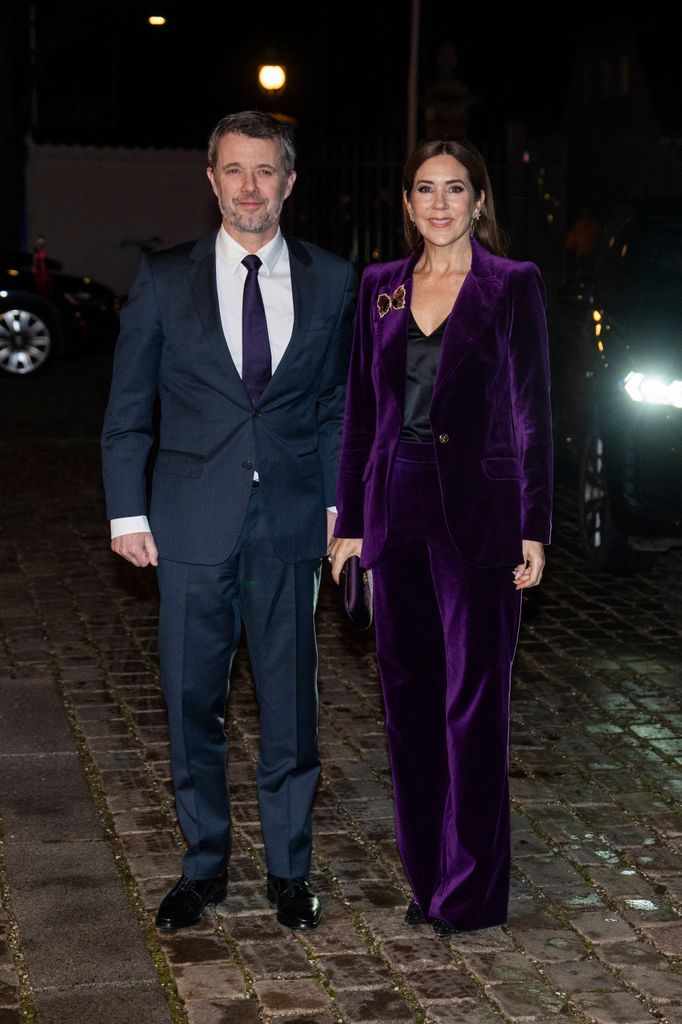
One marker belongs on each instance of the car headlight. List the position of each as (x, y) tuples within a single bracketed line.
[(644, 387)]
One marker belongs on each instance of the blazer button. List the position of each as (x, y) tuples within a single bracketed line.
[(256, 413), (443, 438), (247, 464)]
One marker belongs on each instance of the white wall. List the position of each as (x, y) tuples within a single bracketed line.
[(85, 201)]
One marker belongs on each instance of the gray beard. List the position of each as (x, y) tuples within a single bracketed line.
[(254, 223)]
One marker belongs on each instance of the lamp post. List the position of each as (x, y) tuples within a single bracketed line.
[(272, 79), (413, 76)]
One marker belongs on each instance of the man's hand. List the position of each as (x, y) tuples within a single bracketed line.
[(529, 573), (137, 548), (341, 549)]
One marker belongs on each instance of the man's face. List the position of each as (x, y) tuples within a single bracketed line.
[(250, 185)]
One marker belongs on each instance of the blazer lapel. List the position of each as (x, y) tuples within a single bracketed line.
[(391, 339), (205, 293), (303, 287), (474, 306)]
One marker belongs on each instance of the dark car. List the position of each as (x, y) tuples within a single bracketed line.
[(617, 382), (44, 312)]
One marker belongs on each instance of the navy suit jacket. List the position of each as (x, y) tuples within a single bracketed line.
[(211, 438), (490, 412)]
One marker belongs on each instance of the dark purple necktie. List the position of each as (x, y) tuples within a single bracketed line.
[(256, 358)]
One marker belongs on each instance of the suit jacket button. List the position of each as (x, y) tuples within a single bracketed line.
[(247, 464), (443, 438), (256, 413)]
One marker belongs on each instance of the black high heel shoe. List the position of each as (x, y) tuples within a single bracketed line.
[(414, 914), (442, 928)]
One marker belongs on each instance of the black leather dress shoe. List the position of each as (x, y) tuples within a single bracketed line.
[(414, 914), (442, 928), (297, 905), (184, 904)]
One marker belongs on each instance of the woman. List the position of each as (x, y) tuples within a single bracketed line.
[(445, 492)]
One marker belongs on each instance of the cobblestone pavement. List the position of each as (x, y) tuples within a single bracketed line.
[(89, 842)]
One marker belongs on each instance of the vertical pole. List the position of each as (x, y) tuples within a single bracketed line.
[(33, 60), (413, 77)]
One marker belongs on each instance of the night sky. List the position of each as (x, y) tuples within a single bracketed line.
[(112, 79)]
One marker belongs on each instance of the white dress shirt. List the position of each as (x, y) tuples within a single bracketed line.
[(274, 278)]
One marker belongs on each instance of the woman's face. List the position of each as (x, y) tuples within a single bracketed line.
[(442, 201)]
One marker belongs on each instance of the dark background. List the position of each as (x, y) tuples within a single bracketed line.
[(544, 87), (104, 75)]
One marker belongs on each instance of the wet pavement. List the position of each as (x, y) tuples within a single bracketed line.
[(88, 841)]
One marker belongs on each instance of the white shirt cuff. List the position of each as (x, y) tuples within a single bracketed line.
[(129, 524), (333, 508)]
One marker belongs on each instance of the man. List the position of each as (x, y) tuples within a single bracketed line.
[(245, 337)]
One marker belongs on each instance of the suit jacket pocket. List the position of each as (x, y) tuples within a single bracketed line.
[(179, 463), (502, 468), (308, 463)]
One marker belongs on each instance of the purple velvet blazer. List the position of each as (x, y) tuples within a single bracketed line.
[(490, 412)]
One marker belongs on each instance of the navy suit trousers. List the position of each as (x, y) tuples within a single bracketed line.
[(201, 612)]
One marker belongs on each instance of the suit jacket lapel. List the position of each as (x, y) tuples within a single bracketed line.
[(391, 339), (205, 292), (303, 284), (474, 306), (477, 299)]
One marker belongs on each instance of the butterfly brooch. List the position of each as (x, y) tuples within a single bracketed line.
[(386, 302)]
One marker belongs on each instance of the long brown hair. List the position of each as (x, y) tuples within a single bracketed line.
[(486, 229)]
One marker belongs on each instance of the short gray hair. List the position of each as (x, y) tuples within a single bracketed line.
[(256, 125)]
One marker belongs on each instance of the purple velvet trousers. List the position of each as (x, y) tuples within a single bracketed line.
[(446, 634)]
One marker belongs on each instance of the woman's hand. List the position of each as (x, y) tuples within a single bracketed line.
[(340, 550), (529, 573)]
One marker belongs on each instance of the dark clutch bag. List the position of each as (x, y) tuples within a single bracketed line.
[(355, 594)]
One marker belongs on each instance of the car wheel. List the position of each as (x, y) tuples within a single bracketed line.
[(26, 340), (605, 546)]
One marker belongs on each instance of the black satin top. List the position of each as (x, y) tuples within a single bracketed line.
[(423, 356)]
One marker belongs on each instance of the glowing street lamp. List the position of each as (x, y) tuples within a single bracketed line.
[(156, 20), (272, 78)]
